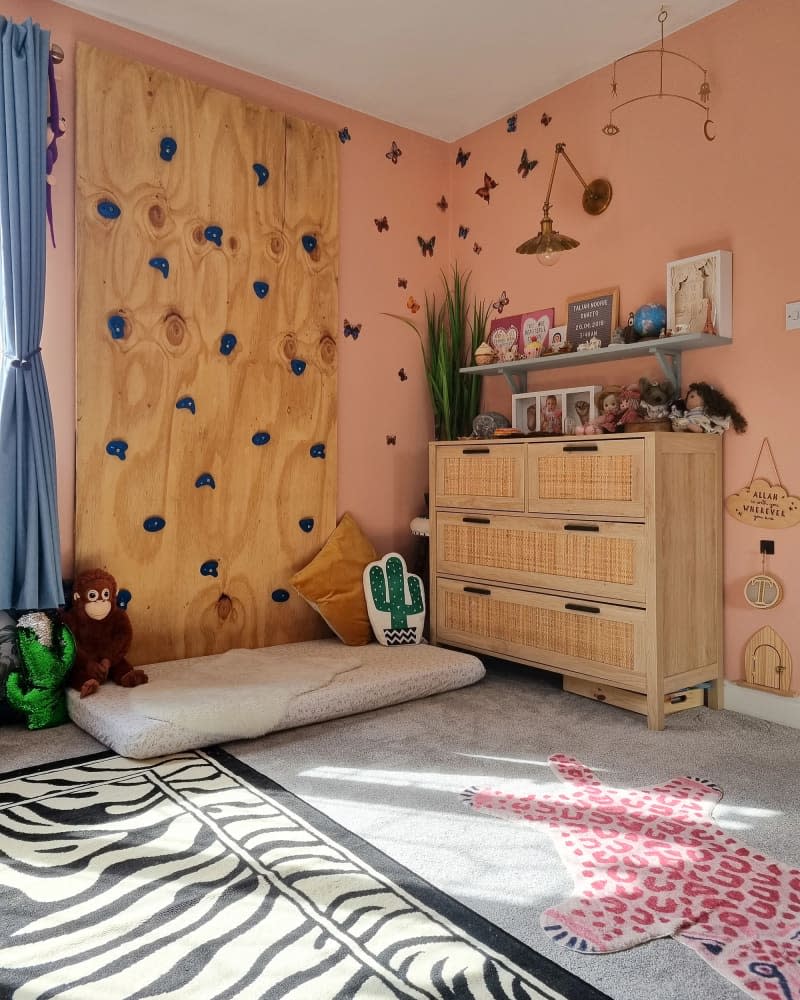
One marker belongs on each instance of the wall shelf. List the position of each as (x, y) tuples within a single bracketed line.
[(667, 351)]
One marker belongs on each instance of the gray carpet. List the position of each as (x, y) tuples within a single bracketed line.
[(394, 776)]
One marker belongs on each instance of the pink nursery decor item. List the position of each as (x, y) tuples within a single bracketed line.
[(650, 863)]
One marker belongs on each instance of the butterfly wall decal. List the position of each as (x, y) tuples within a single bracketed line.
[(462, 157), (412, 304), (476, 248), (402, 375), (394, 153), (382, 224), (427, 245), (441, 204), (344, 134), (351, 330), (501, 302), (511, 123), (463, 232), (391, 439), (545, 119), (402, 282), (488, 185), (525, 165)]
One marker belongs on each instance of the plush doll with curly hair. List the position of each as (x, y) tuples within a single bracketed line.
[(102, 634), (706, 410)]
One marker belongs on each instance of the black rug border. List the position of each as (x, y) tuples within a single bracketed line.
[(480, 928)]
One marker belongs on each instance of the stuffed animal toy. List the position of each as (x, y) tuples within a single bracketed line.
[(656, 398), (630, 399), (706, 410), (102, 635), (608, 409), (34, 684)]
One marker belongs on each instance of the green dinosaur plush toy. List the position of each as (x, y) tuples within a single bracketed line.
[(36, 687)]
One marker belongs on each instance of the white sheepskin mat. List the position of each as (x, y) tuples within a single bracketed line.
[(248, 692)]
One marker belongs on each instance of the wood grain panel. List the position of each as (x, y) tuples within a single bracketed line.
[(128, 387)]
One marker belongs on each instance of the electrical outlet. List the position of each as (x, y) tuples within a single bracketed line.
[(767, 547), (793, 315)]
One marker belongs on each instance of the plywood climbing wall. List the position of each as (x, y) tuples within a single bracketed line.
[(206, 356)]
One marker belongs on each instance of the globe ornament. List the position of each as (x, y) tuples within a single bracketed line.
[(649, 320)]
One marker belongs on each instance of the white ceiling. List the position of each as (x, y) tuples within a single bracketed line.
[(442, 67)]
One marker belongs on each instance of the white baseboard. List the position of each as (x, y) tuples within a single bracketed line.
[(762, 705)]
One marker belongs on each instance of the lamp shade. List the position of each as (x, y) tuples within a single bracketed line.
[(547, 241)]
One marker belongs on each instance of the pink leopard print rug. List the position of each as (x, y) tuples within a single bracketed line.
[(650, 863)]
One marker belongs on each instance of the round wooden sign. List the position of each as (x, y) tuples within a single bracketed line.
[(763, 591)]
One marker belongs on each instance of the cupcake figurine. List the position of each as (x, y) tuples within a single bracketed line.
[(484, 354)]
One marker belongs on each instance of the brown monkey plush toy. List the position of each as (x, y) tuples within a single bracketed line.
[(102, 635)]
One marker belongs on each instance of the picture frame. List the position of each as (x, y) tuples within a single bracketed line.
[(700, 294), (504, 337), (592, 317), (556, 339), (535, 329), (552, 411)]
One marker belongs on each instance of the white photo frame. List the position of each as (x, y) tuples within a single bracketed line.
[(700, 294), (534, 413)]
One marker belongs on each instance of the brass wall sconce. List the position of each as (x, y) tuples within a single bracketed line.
[(549, 243), (703, 94)]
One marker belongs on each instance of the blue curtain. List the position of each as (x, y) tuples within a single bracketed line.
[(30, 571)]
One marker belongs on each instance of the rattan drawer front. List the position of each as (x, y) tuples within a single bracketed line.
[(481, 476), (597, 640), (604, 559), (591, 477)]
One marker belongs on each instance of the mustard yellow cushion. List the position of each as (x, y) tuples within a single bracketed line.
[(332, 582)]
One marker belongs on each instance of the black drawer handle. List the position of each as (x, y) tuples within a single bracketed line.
[(677, 699), (478, 590), (579, 447), (581, 527), (582, 607), (476, 520), (475, 451)]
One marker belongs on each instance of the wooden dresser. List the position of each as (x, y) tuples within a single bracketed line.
[(599, 558)]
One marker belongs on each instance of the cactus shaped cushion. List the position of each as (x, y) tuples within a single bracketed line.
[(395, 601)]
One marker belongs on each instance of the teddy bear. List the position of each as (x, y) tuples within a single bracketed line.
[(656, 398), (102, 635)]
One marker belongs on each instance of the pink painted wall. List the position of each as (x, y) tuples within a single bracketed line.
[(675, 194), (381, 485)]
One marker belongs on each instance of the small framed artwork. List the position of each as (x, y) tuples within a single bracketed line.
[(504, 337), (592, 318), (556, 339), (580, 409), (525, 411), (535, 329), (699, 294)]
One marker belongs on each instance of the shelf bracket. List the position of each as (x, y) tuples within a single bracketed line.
[(670, 362), (517, 380)]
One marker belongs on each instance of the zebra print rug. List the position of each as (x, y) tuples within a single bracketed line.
[(193, 877)]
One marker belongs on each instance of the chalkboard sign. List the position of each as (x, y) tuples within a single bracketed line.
[(592, 318)]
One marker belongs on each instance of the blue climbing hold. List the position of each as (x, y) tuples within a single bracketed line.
[(168, 148), (209, 568), (261, 437), (116, 324), (262, 173), (117, 449), (205, 480), (213, 234), (317, 450), (298, 366), (306, 524), (154, 523), (186, 403), (260, 288), (160, 264), (280, 596), (124, 598), (309, 243), (109, 209), (227, 342)]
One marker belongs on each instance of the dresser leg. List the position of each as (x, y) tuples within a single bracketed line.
[(655, 708), (716, 694)]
